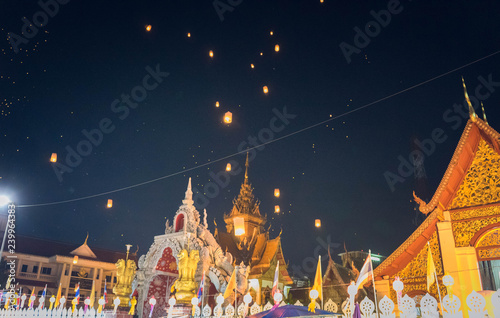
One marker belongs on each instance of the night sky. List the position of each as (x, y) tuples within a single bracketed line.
[(352, 121)]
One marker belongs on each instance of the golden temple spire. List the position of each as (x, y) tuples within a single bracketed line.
[(85, 243), (472, 113), (484, 113), (246, 170)]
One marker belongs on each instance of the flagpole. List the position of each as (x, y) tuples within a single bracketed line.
[(321, 284), (235, 292), (373, 282), (203, 290)]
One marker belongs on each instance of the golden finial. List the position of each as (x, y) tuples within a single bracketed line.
[(85, 243), (472, 113), (484, 113), (246, 170)]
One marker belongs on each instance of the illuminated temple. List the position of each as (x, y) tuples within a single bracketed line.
[(462, 224), (248, 242)]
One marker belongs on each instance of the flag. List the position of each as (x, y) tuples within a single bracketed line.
[(366, 272), (43, 297), (200, 290), (276, 278), (31, 302), (58, 297), (77, 293), (105, 294), (318, 280), (92, 296), (231, 285), (431, 269)]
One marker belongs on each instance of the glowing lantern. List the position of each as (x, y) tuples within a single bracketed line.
[(189, 35), (110, 203), (239, 226), (53, 158), (216, 104), (271, 32), (265, 89), (261, 53), (277, 48), (228, 117), (321, 1), (148, 27), (252, 66), (75, 259), (276, 209), (228, 167), (211, 53), (277, 192), (317, 223)]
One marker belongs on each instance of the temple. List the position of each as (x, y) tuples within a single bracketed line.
[(462, 225), (248, 242)]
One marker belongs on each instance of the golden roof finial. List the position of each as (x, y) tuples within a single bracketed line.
[(472, 113), (246, 170), (484, 113), (85, 243)]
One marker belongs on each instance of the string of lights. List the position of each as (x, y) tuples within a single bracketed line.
[(264, 143)]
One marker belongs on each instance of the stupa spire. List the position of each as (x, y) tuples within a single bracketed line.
[(188, 199), (472, 113), (484, 113), (246, 170)]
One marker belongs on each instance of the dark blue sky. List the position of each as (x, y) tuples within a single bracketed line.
[(67, 76)]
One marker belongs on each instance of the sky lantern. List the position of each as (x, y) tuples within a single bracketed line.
[(276, 209), (252, 66), (277, 48), (317, 223), (239, 226), (189, 35), (277, 192), (228, 117), (228, 167), (265, 89), (53, 158), (271, 33), (217, 104), (110, 203), (75, 259), (261, 53), (211, 53), (148, 27)]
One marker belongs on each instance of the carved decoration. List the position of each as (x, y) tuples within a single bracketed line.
[(492, 238), (475, 213), (481, 185), (489, 254), (464, 231)]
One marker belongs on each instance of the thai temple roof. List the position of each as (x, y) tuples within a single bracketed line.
[(84, 250), (478, 148)]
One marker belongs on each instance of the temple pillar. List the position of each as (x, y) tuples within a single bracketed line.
[(470, 278)]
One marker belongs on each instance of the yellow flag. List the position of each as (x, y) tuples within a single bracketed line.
[(32, 294), (431, 269), (58, 297), (92, 296), (231, 285), (318, 280)]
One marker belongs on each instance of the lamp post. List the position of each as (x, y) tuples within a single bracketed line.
[(3, 201)]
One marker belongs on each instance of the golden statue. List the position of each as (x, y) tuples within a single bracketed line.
[(185, 285), (125, 271)]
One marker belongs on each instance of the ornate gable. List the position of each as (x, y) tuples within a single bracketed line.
[(481, 184)]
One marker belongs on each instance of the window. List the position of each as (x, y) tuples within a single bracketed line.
[(66, 272), (46, 270), (114, 280), (108, 279), (35, 269), (24, 268)]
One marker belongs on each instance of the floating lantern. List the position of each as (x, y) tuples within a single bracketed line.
[(265, 89), (261, 53), (252, 66), (276, 209), (271, 32), (189, 35), (228, 117), (110, 203), (148, 27), (53, 158), (211, 53), (321, 1), (216, 104), (317, 223), (75, 259), (277, 192), (239, 226), (277, 48), (228, 167)]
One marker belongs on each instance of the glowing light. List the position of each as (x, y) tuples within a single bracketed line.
[(376, 259), (148, 27), (313, 294), (261, 53), (4, 200), (265, 89), (239, 226), (317, 223), (252, 66), (211, 53), (271, 33), (228, 167), (277, 192), (75, 259), (53, 158), (276, 209), (277, 48), (217, 104), (110, 203), (228, 117), (189, 35)]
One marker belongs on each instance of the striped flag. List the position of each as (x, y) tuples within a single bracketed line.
[(43, 295), (366, 272), (200, 290), (105, 295), (77, 293)]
